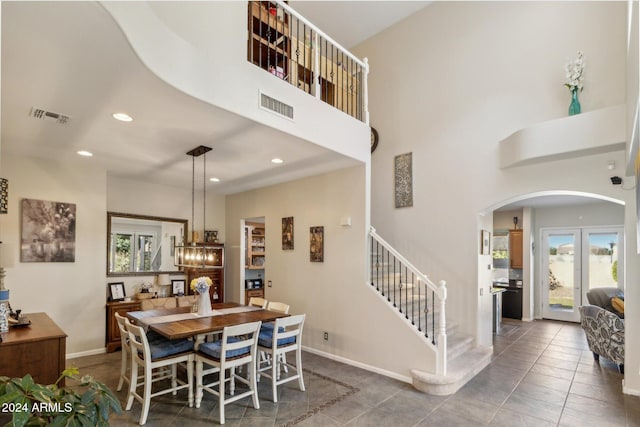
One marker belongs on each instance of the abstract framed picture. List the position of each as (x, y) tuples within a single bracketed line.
[(287, 233), (485, 242), (48, 232), (316, 244), (403, 180)]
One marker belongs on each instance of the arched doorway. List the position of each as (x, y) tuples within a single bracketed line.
[(547, 219)]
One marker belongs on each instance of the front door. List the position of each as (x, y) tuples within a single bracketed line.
[(574, 261)]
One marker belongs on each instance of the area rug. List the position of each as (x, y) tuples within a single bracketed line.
[(350, 390)]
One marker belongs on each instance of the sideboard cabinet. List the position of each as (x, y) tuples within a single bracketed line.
[(112, 336), (38, 349)]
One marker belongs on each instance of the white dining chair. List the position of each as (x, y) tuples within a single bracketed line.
[(126, 351), (155, 355), (286, 336), (267, 327), (238, 347), (258, 302)]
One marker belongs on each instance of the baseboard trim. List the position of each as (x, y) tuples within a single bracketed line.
[(86, 353), (631, 391), (366, 367)]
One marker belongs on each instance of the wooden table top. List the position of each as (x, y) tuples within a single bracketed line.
[(41, 327), (203, 325)]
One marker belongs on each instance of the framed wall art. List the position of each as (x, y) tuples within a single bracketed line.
[(287, 233), (48, 231), (211, 236), (316, 244), (116, 291), (485, 242), (177, 287), (403, 180)]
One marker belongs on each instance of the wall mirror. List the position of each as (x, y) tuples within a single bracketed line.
[(140, 245)]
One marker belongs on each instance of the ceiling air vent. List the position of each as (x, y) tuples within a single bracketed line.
[(39, 113), (276, 106)]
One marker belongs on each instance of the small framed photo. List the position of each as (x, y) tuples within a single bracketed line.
[(485, 242), (116, 291), (287, 234), (177, 287), (211, 236)]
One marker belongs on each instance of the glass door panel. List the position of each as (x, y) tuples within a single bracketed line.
[(603, 261), (561, 274)]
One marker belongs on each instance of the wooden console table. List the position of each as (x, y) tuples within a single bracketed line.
[(38, 349)]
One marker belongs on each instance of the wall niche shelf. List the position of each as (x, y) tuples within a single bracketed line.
[(598, 131)]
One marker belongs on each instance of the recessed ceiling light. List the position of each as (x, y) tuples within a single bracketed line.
[(214, 179), (85, 153), (123, 117), (277, 161)]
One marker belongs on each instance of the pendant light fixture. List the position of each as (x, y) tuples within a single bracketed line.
[(199, 255)]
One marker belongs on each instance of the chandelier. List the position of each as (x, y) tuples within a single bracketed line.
[(198, 255)]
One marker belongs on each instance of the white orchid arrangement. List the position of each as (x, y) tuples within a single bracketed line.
[(574, 73)]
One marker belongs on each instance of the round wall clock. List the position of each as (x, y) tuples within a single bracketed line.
[(374, 139)]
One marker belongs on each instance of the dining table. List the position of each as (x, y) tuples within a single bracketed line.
[(181, 322)]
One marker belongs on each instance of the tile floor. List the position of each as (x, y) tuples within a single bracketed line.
[(542, 374)]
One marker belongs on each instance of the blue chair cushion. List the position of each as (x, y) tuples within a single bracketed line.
[(164, 348), (267, 327), (214, 349), (265, 339), (153, 336)]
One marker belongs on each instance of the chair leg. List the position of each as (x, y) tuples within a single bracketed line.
[(123, 369), (596, 356), (174, 378), (190, 381), (133, 381), (274, 376), (199, 389), (299, 368), (251, 368), (221, 395), (232, 381), (621, 368), (146, 398)]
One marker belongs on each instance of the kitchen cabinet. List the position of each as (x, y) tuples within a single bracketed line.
[(253, 293), (255, 247), (515, 248)]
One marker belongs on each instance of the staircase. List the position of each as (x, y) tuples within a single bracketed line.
[(422, 303)]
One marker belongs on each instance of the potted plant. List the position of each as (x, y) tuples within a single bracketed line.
[(88, 403)]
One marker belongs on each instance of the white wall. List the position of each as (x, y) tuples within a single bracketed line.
[(72, 294), (334, 293), (451, 81)]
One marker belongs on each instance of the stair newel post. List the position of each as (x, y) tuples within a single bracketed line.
[(441, 367)]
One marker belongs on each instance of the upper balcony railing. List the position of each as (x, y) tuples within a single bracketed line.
[(291, 48)]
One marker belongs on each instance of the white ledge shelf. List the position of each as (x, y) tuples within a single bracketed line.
[(594, 132)]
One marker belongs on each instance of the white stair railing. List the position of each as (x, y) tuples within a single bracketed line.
[(411, 292)]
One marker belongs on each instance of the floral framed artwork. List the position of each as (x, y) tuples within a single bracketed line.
[(403, 180), (116, 291), (177, 287), (48, 231), (316, 244), (287, 233)]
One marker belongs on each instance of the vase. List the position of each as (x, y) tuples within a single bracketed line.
[(574, 107), (204, 304)]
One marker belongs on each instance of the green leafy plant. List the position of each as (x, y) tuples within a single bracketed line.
[(33, 404)]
